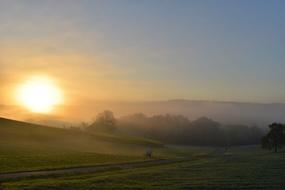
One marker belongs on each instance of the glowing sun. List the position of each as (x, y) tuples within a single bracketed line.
[(39, 94)]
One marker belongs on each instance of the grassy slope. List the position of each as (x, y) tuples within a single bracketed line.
[(25, 146), (241, 168)]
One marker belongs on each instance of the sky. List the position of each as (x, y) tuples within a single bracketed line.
[(126, 50)]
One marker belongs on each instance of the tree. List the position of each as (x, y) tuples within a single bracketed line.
[(275, 138), (105, 121)]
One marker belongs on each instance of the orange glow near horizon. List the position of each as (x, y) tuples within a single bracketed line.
[(39, 94)]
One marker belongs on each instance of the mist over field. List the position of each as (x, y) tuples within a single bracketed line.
[(260, 114)]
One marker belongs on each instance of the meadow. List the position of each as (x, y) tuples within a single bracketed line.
[(239, 168), (26, 147), (29, 147)]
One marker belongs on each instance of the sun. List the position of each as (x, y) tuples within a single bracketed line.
[(39, 94)]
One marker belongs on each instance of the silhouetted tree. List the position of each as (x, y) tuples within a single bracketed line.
[(275, 138), (105, 121)]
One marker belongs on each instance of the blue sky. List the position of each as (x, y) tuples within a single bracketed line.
[(149, 49)]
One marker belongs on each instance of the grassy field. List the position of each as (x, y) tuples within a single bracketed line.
[(25, 146), (240, 168)]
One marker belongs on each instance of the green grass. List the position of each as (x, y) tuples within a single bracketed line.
[(25, 146), (117, 138), (49, 160), (27, 157), (241, 168), (27, 132)]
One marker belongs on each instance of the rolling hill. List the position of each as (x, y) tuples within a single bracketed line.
[(26, 146)]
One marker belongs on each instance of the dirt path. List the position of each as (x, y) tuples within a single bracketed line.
[(81, 170)]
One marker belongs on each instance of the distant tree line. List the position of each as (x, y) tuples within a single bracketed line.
[(178, 129)]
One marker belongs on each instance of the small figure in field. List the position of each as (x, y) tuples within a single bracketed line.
[(148, 153), (227, 148)]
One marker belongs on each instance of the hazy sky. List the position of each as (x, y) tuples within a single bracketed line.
[(148, 49)]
